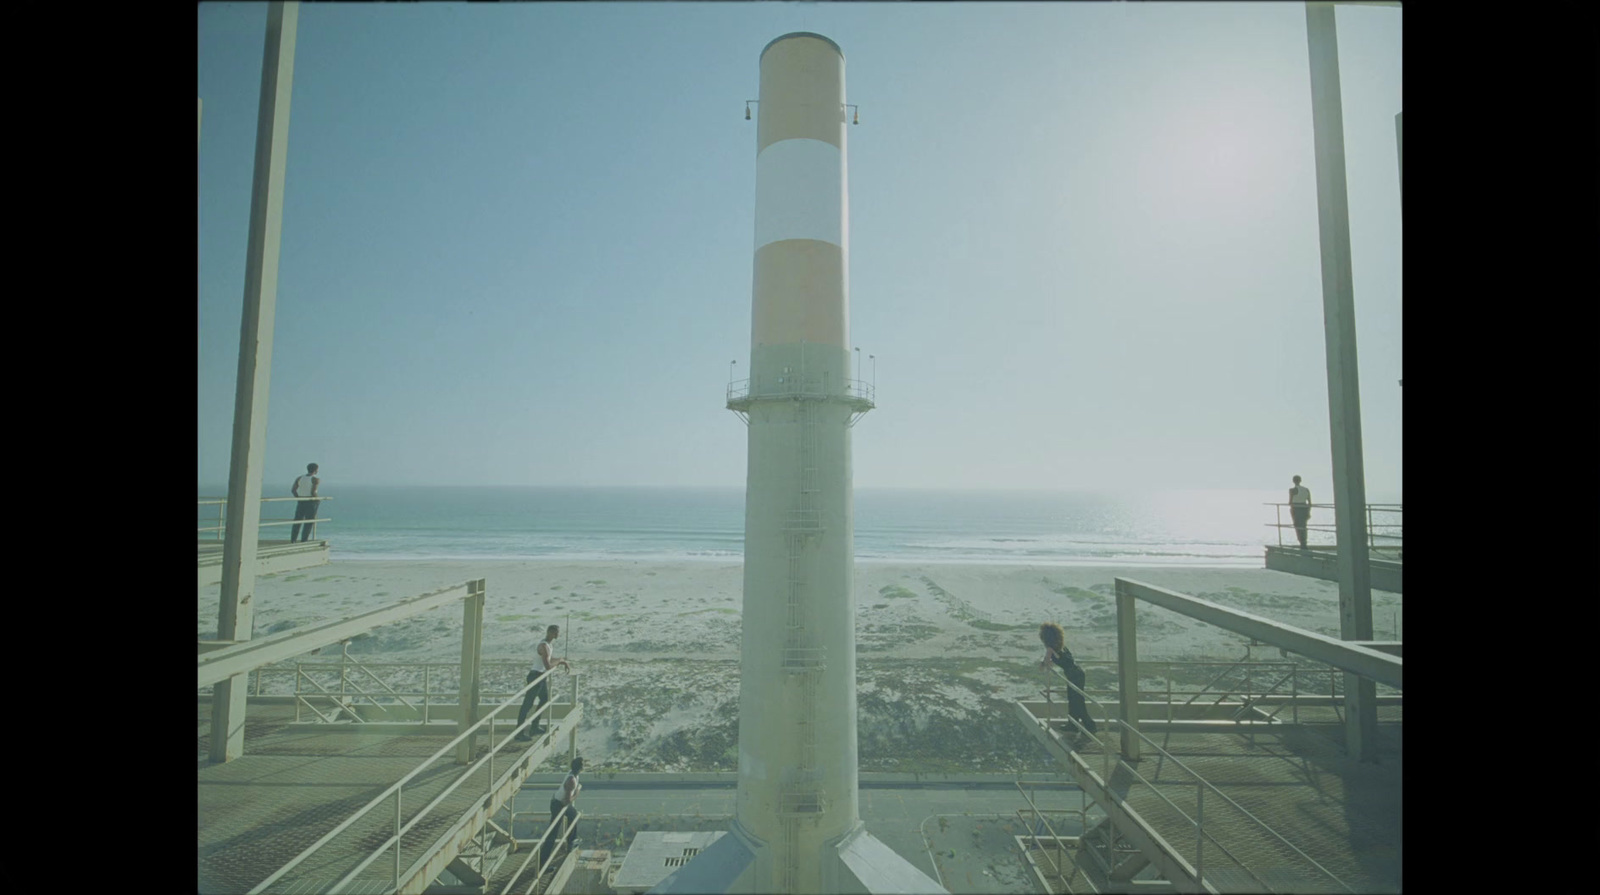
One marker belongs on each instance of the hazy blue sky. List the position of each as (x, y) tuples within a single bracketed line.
[(517, 241)]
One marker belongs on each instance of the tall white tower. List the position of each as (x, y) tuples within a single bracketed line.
[(796, 826), (797, 689)]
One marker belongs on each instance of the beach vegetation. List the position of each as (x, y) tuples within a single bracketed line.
[(985, 625), (1076, 593), (894, 592)]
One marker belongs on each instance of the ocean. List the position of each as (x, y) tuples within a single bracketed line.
[(1174, 528)]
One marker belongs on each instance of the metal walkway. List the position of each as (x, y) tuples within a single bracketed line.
[(1343, 814), (297, 783), (1384, 566)]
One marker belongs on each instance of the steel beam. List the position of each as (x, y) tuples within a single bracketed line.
[(471, 649), (1344, 390), (231, 661), (235, 616), (1128, 671), (1342, 654)]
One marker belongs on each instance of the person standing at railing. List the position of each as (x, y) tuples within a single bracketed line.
[(1300, 509), (540, 694), (562, 807), (1056, 653), (305, 509)]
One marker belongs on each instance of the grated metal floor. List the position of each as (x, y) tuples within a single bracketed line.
[(1342, 814), (293, 786)]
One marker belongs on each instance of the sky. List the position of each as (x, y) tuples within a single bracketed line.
[(518, 240)]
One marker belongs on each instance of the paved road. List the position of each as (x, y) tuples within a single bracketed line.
[(958, 833)]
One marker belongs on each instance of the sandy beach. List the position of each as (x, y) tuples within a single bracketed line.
[(942, 650)]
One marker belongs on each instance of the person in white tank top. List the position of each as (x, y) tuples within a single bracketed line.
[(540, 694)]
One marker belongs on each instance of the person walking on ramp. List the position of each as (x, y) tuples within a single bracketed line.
[(1056, 653), (562, 810), (540, 694), (1300, 510)]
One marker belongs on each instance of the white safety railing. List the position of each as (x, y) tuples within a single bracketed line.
[(543, 848), (490, 724), (1046, 843), (1268, 688), (798, 386), (1112, 763), (418, 687), (221, 503), (1385, 532)]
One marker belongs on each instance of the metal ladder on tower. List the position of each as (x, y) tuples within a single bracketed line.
[(801, 799)]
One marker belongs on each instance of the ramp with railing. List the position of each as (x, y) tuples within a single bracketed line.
[(351, 786), (1237, 783)]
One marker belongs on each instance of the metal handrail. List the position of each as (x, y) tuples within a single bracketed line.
[(397, 787), (221, 504), (798, 386), (1203, 782), (208, 501), (1372, 526), (1039, 818), (1117, 724), (401, 697), (539, 849)]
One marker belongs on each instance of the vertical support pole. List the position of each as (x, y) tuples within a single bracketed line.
[(471, 645), (397, 826), (1344, 393), (1399, 162), (572, 733), (235, 614), (1128, 671)]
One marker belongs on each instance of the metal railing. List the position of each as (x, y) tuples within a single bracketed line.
[(815, 386), (1111, 764), (545, 860), (1267, 687), (397, 789), (336, 685), (221, 503), (1386, 541), (1041, 832)]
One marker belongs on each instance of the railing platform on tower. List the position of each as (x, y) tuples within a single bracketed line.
[(1320, 557), (861, 396), (273, 555)]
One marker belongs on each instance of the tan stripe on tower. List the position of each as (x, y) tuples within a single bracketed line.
[(800, 294), (791, 68)]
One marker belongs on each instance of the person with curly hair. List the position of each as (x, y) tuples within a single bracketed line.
[(1056, 653)]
